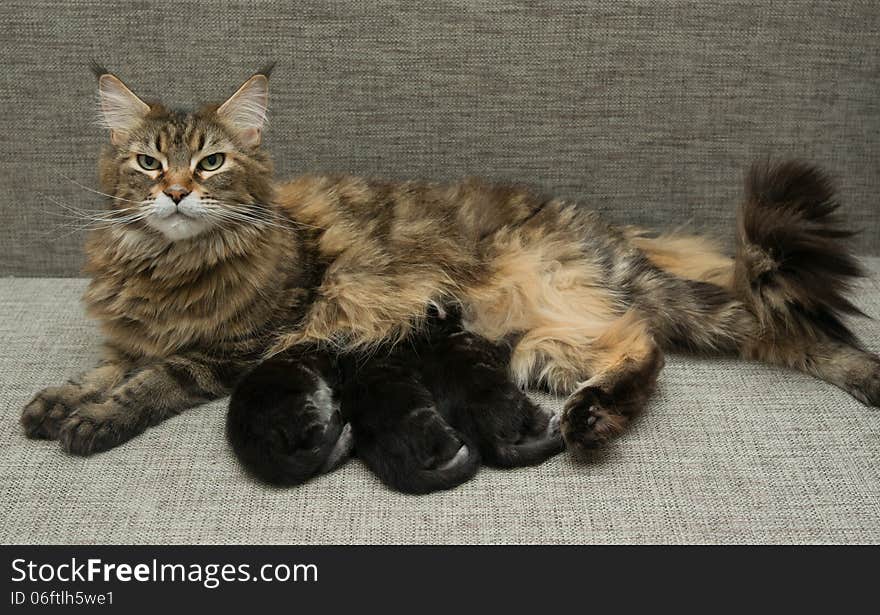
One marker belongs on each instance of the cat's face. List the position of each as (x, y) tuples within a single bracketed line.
[(184, 174)]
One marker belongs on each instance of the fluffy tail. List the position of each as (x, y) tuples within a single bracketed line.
[(793, 265)]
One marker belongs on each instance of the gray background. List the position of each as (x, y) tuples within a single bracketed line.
[(647, 110)]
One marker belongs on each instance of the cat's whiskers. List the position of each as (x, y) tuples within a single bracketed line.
[(214, 210), (102, 215), (258, 213), (84, 187), (78, 219)]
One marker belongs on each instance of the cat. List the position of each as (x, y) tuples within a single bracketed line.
[(423, 415), (209, 266)]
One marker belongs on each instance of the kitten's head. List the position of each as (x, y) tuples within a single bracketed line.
[(183, 174)]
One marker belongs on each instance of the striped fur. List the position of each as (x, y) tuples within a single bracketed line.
[(349, 263)]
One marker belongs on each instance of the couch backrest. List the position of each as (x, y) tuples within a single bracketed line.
[(650, 111)]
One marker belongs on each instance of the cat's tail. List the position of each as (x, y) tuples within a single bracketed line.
[(793, 266)]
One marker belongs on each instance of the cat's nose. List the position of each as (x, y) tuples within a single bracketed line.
[(176, 192)]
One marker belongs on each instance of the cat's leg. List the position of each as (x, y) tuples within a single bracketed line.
[(842, 364), (770, 314), (609, 379), (284, 422), (687, 257), (399, 433), (469, 379), (146, 395)]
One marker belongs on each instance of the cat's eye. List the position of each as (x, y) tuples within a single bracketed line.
[(148, 163), (211, 162)]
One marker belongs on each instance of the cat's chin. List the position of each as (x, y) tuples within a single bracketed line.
[(178, 227)]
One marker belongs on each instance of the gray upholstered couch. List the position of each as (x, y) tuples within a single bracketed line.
[(649, 111)]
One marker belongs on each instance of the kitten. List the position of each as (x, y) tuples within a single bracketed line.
[(284, 421), (209, 266), (421, 415), (426, 414)]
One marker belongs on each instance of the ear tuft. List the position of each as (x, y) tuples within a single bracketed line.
[(267, 69), (246, 110), (121, 109), (97, 68)]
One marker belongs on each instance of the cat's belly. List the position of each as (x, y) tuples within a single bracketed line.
[(541, 277), (528, 292), (547, 288)]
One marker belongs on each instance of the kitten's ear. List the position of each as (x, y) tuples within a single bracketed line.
[(245, 111), (121, 109)]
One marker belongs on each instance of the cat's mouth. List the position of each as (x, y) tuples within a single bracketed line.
[(179, 214), (178, 223), (183, 210)]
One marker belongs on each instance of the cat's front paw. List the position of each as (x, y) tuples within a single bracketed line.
[(588, 419), (863, 382), (45, 413), (93, 428)]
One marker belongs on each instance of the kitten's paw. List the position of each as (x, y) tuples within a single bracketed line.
[(537, 439), (435, 444), (554, 427), (419, 455), (588, 419), (92, 429), (45, 413)]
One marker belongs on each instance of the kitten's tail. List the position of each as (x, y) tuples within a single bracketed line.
[(793, 265)]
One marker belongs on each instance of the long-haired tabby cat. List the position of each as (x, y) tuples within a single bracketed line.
[(210, 266)]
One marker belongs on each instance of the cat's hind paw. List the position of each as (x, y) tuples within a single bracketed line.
[(588, 419)]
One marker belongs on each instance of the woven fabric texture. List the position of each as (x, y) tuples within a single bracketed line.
[(727, 452), (650, 111)]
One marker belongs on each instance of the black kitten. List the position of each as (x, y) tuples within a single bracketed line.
[(284, 422), (470, 381), (422, 415)]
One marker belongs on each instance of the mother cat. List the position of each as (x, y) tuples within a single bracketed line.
[(204, 265)]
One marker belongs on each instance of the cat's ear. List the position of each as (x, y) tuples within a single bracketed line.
[(121, 109), (245, 111)]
